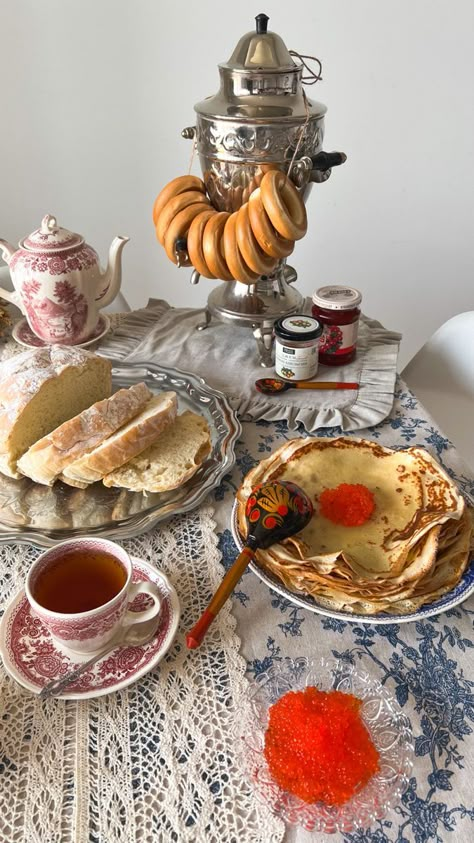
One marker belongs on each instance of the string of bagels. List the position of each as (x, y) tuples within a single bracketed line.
[(239, 246)]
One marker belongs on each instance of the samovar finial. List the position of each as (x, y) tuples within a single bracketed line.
[(262, 23)]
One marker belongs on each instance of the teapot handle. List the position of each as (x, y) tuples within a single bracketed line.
[(11, 296)]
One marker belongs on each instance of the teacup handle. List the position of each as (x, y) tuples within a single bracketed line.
[(140, 617)]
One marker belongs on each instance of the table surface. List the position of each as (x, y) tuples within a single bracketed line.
[(426, 665)]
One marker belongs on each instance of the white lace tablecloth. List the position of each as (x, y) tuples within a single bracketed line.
[(156, 762), (152, 763)]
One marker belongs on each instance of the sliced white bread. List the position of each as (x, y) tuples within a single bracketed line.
[(126, 443), (48, 457), (170, 461), (41, 389)]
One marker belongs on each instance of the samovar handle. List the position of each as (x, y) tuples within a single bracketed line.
[(316, 168)]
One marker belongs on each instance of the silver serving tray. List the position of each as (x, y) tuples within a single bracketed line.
[(43, 515)]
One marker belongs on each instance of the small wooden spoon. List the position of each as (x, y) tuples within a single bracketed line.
[(274, 512), (272, 386)]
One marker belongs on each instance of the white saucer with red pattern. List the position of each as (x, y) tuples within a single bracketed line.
[(23, 334), (32, 657)]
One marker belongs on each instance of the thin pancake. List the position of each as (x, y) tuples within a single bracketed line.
[(411, 492), (415, 545)]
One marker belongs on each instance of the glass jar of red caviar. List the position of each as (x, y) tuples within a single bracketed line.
[(337, 308)]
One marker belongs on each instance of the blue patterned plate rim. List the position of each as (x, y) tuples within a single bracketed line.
[(457, 595)]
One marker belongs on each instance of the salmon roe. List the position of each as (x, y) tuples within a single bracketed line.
[(350, 504), (317, 746)]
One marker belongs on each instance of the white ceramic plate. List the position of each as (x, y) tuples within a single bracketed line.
[(458, 594)]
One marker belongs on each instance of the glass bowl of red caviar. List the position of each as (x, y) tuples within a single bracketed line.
[(277, 742)]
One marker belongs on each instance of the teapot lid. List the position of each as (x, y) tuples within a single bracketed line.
[(261, 81), (50, 237)]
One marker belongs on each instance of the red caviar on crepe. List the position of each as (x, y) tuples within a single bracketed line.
[(395, 543), (317, 746), (350, 504)]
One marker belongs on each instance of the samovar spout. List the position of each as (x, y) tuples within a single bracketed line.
[(316, 168)]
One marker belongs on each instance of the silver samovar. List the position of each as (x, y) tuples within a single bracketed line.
[(260, 116)]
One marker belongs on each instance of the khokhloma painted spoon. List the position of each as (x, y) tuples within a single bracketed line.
[(274, 511), (273, 386)]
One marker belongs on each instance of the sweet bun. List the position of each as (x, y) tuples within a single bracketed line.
[(212, 246), (173, 188), (249, 248), (268, 215), (239, 269), (283, 205), (266, 235), (173, 207), (195, 250), (179, 227)]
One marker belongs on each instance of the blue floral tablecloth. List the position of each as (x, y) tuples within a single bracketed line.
[(427, 665)]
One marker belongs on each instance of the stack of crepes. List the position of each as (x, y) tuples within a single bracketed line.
[(414, 547)]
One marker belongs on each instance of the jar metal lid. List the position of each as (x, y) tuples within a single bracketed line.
[(298, 327), (334, 297)]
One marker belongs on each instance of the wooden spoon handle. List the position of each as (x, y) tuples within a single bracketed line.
[(324, 385), (195, 637)]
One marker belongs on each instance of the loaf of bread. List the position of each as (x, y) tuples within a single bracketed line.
[(126, 443), (41, 389), (170, 461), (48, 457)]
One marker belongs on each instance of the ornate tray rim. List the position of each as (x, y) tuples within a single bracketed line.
[(457, 595), (137, 523)]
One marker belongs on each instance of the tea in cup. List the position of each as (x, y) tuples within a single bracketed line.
[(80, 589)]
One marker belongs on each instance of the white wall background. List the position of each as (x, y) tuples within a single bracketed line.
[(94, 95)]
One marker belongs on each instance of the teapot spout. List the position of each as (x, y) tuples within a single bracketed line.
[(112, 277), (7, 250)]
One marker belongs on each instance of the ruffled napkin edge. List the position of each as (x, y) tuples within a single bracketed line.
[(369, 407)]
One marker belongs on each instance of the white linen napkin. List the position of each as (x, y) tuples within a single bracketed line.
[(226, 357)]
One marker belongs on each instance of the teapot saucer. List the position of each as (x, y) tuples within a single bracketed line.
[(23, 334)]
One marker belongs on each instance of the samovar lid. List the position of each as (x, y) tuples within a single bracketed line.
[(260, 81), (260, 50)]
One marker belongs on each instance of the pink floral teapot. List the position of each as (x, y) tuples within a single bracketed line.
[(59, 285)]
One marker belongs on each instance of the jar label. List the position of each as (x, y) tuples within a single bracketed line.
[(338, 339), (296, 363)]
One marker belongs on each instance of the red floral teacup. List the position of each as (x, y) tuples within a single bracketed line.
[(66, 580)]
